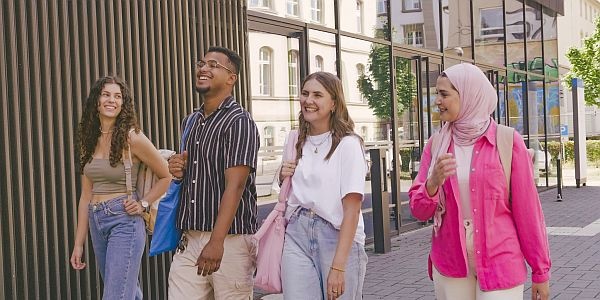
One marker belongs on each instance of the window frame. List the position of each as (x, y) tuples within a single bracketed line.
[(265, 88)]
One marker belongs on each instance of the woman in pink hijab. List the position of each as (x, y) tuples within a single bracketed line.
[(481, 239)]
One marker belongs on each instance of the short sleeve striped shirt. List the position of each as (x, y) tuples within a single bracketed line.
[(226, 138)]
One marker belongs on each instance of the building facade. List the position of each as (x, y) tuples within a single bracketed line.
[(574, 26)]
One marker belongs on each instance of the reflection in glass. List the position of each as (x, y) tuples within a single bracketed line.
[(316, 11), (365, 17), (456, 18), (274, 79), (265, 71), (517, 86), (515, 35), (294, 72), (535, 106), (533, 35), (550, 44), (322, 51), (488, 21), (292, 7), (415, 23)]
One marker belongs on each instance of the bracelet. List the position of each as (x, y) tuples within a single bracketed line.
[(337, 269)]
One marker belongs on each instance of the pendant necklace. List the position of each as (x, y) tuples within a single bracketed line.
[(319, 143)]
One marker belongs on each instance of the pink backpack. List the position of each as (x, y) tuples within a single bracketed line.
[(271, 234)]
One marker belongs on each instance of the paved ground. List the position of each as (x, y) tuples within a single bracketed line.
[(574, 227)]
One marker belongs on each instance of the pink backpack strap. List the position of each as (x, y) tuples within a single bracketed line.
[(504, 144), (288, 154)]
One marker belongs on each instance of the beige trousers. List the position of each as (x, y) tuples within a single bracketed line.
[(233, 280), (447, 288)]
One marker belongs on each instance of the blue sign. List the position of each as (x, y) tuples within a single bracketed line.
[(564, 130)]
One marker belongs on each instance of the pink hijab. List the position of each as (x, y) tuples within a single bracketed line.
[(478, 100)]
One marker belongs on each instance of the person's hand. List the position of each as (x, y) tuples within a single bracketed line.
[(335, 284), (209, 260), (287, 170), (76, 261), (540, 291), (177, 163), (445, 166), (133, 207)]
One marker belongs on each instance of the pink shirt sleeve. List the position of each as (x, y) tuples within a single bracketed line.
[(527, 213), (422, 206)]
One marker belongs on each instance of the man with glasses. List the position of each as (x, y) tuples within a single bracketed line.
[(217, 211)]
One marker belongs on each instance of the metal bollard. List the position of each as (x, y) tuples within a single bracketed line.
[(380, 197), (559, 197)]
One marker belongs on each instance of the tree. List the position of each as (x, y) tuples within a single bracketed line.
[(585, 62), (375, 84)]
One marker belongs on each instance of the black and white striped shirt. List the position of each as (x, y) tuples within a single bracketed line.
[(226, 138)]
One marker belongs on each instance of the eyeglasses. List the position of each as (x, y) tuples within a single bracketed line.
[(212, 64)]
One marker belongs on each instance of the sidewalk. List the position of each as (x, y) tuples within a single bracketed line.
[(574, 234)]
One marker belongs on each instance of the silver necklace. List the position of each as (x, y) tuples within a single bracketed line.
[(319, 143)]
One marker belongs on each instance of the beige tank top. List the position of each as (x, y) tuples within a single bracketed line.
[(109, 180)]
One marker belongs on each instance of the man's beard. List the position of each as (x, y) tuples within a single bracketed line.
[(202, 90)]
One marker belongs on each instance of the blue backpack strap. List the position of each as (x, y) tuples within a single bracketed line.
[(186, 130)]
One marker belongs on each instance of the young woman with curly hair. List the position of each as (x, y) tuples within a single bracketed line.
[(324, 239), (108, 130)]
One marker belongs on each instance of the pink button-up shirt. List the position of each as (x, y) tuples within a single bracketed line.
[(504, 233)]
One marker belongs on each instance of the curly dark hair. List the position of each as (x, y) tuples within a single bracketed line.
[(340, 123), (88, 131)]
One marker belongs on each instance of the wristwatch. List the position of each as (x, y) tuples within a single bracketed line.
[(145, 206)]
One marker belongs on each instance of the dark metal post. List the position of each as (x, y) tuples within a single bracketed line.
[(559, 197), (380, 202)]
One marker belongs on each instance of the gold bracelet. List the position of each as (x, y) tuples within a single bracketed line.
[(337, 269)]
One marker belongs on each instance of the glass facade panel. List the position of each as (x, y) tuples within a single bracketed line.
[(516, 89), (275, 112), (322, 52), (488, 19), (368, 19), (535, 95), (550, 44), (533, 36), (456, 24), (419, 26), (319, 12), (515, 35)]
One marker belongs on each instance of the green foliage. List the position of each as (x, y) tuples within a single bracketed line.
[(585, 63), (375, 85), (592, 151)]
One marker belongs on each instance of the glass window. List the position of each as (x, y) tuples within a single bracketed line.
[(413, 35), (360, 72), (515, 35), (535, 116), (456, 20), (416, 28), (489, 31), (409, 5), (294, 72), (382, 7), (261, 3), (265, 71), (359, 16), (292, 7), (550, 44), (316, 11), (318, 63), (517, 87)]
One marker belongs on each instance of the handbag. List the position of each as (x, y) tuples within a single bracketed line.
[(166, 234), (270, 236), (145, 181)]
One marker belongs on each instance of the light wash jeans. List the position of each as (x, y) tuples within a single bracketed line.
[(119, 240), (308, 251)]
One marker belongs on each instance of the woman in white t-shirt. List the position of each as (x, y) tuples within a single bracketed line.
[(323, 255)]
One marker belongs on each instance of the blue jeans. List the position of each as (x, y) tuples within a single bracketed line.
[(119, 240), (308, 251)]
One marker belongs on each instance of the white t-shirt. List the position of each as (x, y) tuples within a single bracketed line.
[(320, 184), (463, 155)]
